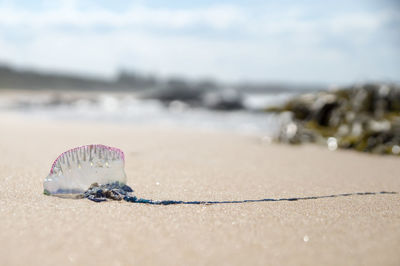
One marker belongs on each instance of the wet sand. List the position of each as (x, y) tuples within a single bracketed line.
[(165, 164)]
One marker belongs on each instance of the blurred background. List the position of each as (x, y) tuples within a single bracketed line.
[(296, 71)]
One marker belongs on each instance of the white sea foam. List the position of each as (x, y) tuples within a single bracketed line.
[(118, 108)]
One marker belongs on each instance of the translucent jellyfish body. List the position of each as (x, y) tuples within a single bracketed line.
[(75, 170)]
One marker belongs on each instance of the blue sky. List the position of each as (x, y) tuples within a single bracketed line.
[(330, 42)]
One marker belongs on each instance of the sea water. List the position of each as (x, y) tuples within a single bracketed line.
[(128, 109)]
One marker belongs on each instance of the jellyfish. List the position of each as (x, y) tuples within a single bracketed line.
[(96, 172), (79, 169)]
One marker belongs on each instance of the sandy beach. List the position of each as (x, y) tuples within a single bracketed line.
[(192, 165)]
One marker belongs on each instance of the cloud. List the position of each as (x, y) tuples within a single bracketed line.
[(218, 17), (230, 42)]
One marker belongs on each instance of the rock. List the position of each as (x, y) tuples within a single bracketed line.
[(175, 91), (225, 99), (364, 117)]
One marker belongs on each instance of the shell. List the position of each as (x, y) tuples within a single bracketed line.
[(75, 170)]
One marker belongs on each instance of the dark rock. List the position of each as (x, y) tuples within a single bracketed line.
[(176, 90), (323, 115), (225, 99), (365, 118)]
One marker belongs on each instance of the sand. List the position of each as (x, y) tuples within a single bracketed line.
[(190, 165)]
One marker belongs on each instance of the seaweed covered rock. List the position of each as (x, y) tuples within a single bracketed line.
[(363, 117)]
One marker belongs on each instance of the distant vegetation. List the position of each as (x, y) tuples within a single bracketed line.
[(30, 79), (13, 78)]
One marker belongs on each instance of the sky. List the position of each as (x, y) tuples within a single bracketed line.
[(310, 41)]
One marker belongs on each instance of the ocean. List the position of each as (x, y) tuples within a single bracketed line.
[(127, 108)]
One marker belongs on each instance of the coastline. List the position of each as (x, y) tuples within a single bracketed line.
[(189, 165)]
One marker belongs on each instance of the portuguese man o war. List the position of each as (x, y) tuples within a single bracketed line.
[(96, 172), (75, 170)]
